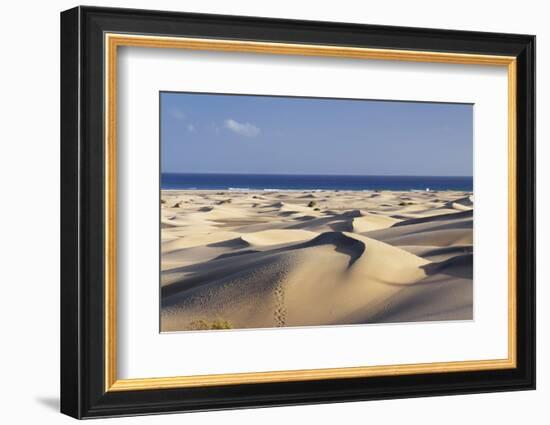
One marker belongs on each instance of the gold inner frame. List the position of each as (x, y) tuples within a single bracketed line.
[(113, 41)]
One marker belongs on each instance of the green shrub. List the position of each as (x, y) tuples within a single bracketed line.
[(203, 325), (220, 324)]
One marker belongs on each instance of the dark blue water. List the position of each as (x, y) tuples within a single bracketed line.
[(312, 182)]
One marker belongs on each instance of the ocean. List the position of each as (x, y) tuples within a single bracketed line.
[(275, 182)]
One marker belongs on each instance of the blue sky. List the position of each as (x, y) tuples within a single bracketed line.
[(208, 133)]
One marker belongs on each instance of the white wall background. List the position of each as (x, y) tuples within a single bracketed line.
[(29, 213)]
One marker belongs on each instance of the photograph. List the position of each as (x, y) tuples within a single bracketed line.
[(286, 210), (282, 211)]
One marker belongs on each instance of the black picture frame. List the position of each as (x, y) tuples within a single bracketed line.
[(83, 392)]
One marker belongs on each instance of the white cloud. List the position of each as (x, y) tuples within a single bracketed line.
[(244, 129), (177, 114), (190, 128)]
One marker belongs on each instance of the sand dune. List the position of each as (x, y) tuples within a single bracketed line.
[(369, 222), (440, 230), (277, 236), (273, 259)]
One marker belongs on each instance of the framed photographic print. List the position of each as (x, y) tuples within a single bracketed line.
[(261, 212)]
